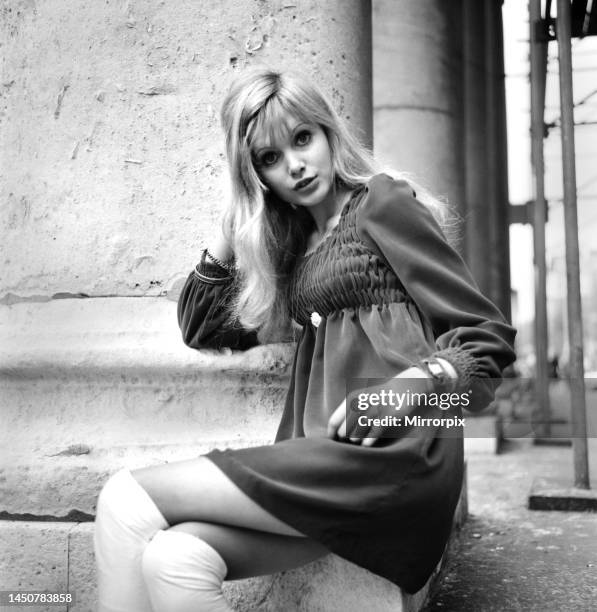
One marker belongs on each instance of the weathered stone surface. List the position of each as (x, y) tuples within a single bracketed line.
[(34, 557), (81, 567), (330, 584), (109, 110), (91, 386)]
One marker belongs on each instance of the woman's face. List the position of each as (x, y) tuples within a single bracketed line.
[(296, 163)]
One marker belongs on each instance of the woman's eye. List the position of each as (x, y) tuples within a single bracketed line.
[(303, 138), (268, 159)]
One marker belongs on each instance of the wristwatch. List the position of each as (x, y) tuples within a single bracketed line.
[(439, 375)]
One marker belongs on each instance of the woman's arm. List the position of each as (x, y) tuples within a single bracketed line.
[(473, 342), (470, 332), (204, 315)]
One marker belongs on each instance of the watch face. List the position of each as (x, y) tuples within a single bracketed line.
[(436, 369)]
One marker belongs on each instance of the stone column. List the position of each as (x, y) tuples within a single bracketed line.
[(497, 192), (439, 111), (477, 233), (113, 158), (486, 167), (418, 94)]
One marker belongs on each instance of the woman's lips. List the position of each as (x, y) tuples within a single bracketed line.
[(303, 183)]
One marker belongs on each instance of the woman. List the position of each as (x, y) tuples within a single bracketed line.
[(316, 234)]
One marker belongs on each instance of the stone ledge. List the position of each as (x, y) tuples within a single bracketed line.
[(35, 485), (554, 494), (92, 385), (62, 337), (60, 557)]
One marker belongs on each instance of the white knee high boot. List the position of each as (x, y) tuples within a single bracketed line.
[(126, 520), (184, 574)]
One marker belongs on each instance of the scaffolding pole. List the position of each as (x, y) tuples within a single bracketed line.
[(575, 336), (538, 38)]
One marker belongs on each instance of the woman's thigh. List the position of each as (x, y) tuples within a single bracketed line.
[(197, 490), (248, 552)]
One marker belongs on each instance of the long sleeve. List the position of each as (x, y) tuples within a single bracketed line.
[(470, 332), (203, 315)]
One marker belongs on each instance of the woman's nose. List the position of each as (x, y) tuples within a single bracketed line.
[(296, 166)]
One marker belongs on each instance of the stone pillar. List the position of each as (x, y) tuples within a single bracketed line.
[(439, 111), (497, 146), (486, 168), (417, 63), (113, 158), (477, 232)]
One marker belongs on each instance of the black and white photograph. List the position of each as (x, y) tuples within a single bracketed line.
[(299, 305)]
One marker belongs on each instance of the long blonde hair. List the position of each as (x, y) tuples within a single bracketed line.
[(268, 235)]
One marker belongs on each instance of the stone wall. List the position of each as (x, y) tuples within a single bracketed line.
[(113, 169)]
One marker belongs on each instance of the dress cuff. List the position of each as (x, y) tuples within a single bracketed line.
[(212, 273), (464, 363)]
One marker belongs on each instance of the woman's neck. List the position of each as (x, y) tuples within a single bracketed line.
[(326, 214)]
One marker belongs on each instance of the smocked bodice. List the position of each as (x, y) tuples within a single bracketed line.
[(342, 272)]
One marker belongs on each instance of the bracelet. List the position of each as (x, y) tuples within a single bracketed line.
[(436, 371), (227, 266), (211, 272)]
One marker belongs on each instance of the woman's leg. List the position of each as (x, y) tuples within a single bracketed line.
[(219, 533), (182, 492), (184, 566), (126, 520), (247, 552), (197, 490)]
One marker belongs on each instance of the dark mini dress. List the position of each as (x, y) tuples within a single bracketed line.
[(389, 291)]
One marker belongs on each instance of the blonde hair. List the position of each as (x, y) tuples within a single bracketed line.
[(265, 234)]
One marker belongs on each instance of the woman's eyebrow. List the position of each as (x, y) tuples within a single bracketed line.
[(258, 150), (301, 125), (258, 144)]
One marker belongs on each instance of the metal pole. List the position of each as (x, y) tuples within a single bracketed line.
[(577, 382), (538, 76)]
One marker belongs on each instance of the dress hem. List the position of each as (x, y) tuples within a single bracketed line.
[(237, 473)]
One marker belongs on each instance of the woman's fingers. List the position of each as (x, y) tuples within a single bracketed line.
[(369, 441), (342, 422), (345, 424), (337, 422), (377, 411)]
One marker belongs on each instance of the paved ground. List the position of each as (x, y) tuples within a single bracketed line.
[(508, 558)]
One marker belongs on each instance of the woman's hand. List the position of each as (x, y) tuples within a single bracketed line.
[(344, 424)]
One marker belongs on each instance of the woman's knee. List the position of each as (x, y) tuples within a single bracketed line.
[(123, 502), (175, 561)]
